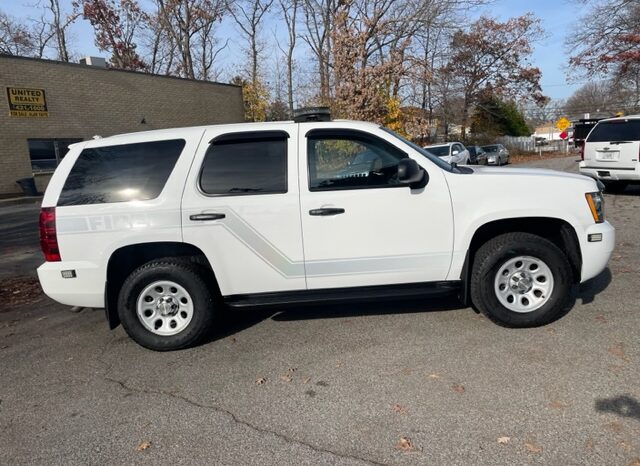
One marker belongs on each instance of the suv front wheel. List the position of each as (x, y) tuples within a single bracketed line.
[(166, 305), (521, 280)]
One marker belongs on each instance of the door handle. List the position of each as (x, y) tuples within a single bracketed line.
[(203, 217), (327, 211)]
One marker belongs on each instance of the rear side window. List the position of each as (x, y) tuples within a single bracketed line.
[(121, 173), (616, 130), (246, 163)]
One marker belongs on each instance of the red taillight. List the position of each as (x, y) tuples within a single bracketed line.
[(48, 236)]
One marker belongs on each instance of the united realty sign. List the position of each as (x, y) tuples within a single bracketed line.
[(24, 102)]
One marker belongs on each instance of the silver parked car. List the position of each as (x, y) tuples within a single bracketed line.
[(452, 152), (497, 154)]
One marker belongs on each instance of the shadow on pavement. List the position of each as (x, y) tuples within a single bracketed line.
[(623, 405), (589, 289)]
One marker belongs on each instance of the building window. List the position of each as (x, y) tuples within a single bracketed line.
[(46, 154)]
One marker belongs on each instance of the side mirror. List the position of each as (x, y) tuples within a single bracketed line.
[(409, 172)]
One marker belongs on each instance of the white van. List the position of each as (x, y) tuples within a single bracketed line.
[(611, 152)]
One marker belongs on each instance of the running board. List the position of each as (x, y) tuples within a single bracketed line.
[(340, 295)]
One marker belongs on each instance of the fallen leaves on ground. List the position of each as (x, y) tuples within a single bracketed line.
[(556, 404), (601, 319), (503, 440), (286, 377), (618, 351), (615, 426), (434, 376), (404, 444), (533, 447), (261, 381), (399, 409), (550, 330), (456, 387), (634, 462), (624, 446), (142, 446), (306, 380), (589, 444), (19, 290)]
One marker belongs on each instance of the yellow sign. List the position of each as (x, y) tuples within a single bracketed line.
[(25, 102), (563, 124)]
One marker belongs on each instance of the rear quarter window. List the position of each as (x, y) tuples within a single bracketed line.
[(615, 130), (120, 173)]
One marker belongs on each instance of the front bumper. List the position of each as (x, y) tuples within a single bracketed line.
[(596, 255)]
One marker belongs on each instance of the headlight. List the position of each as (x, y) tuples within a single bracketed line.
[(596, 205)]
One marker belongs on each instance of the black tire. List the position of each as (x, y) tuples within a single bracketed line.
[(189, 276), (615, 186), (487, 263)]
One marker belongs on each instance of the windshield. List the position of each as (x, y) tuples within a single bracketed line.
[(424, 152), (490, 148), (615, 130)]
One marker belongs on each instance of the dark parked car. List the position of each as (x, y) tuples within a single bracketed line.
[(477, 155)]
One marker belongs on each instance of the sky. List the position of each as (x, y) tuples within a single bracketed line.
[(550, 54)]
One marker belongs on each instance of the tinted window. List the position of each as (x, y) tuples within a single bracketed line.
[(121, 173), (246, 165), (616, 130), (490, 148), (350, 160)]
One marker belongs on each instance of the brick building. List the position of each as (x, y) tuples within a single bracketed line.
[(49, 105)]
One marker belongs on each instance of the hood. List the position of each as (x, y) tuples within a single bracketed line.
[(529, 172)]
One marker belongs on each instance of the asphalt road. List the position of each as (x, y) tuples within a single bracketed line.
[(19, 246), (341, 384)]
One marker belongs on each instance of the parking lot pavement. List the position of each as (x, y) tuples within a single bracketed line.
[(336, 385), (19, 246)]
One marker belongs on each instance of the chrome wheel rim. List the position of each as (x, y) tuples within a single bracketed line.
[(523, 284), (164, 308)]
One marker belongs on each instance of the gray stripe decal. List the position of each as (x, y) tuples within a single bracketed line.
[(288, 268)]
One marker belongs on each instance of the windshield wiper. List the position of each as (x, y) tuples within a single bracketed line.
[(619, 142)]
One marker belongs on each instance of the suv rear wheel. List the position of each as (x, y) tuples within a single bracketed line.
[(521, 280), (166, 305)]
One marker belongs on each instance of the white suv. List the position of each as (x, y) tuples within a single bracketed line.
[(611, 152), (162, 228)]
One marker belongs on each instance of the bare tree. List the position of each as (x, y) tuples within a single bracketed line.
[(59, 24), (289, 10), (16, 38), (187, 25), (319, 16), (248, 16), (611, 41)]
